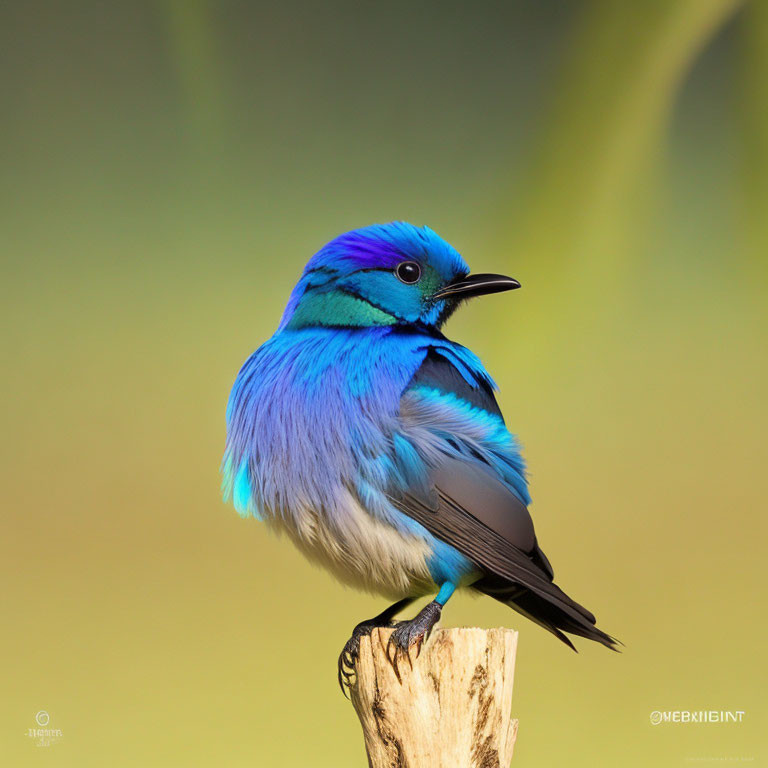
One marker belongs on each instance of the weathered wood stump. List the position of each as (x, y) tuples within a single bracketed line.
[(450, 707)]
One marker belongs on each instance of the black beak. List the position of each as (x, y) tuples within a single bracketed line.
[(476, 285)]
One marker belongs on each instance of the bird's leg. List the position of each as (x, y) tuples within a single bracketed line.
[(416, 631), (348, 655)]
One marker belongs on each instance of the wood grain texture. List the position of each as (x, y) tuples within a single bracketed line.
[(451, 707)]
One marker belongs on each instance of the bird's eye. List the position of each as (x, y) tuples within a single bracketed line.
[(408, 272)]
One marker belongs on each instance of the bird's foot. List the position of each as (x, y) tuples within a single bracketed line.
[(349, 654), (412, 633)]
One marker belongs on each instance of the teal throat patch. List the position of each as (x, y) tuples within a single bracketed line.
[(338, 308)]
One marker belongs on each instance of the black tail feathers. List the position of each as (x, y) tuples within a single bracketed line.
[(550, 608)]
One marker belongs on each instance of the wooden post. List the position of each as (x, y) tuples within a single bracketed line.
[(451, 707)]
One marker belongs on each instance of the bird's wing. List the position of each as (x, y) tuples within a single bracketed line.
[(472, 497), (472, 386)]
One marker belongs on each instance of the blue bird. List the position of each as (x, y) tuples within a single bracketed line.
[(376, 444)]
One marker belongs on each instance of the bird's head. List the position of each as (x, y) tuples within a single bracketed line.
[(385, 274)]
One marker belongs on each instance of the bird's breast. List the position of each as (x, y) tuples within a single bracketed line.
[(310, 418)]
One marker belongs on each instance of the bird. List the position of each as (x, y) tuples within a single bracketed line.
[(377, 445)]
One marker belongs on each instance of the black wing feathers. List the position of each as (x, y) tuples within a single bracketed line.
[(439, 373), (468, 507), (486, 547)]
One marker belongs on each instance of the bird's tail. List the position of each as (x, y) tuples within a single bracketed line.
[(553, 610)]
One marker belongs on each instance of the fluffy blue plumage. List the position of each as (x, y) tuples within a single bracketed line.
[(358, 428), (314, 416)]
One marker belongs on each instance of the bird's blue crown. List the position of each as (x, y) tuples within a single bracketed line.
[(385, 274)]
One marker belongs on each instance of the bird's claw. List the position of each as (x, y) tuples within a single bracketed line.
[(351, 650), (409, 634), (406, 634)]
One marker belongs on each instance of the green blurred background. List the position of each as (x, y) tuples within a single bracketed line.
[(168, 167)]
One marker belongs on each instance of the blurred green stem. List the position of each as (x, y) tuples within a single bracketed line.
[(754, 144), (625, 65), (193, 51)]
